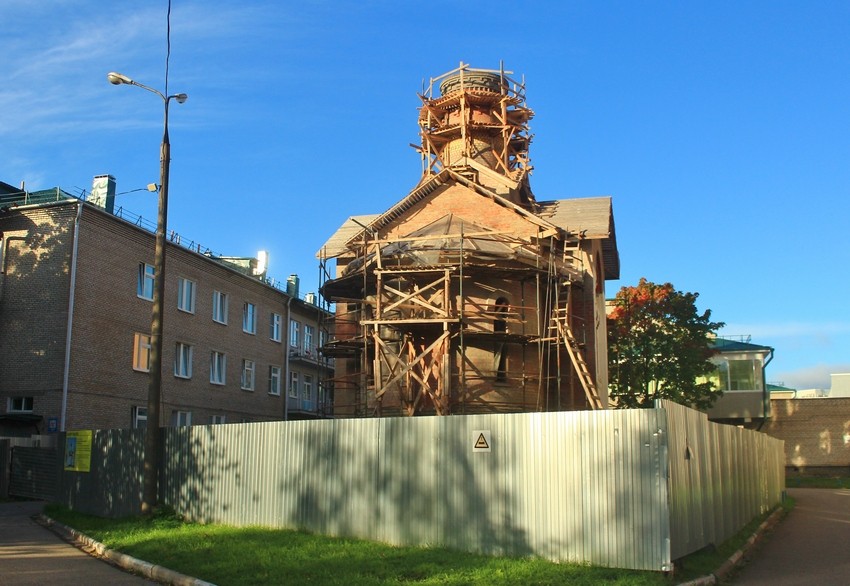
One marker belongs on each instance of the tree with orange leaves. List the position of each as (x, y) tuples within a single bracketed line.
[(658, 347)]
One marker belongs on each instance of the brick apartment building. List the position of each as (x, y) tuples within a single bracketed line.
[(76, 285)]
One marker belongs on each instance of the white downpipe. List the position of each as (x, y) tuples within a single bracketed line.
[(67, 370)]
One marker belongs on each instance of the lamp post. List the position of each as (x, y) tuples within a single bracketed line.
[(152, 436)]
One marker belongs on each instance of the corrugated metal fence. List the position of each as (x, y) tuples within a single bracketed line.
[(600, 487), (33, 472), (721, 477)]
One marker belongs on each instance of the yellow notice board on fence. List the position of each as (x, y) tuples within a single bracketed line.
[(78, 451)]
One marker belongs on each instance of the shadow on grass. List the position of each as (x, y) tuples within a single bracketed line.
[(229, 555)]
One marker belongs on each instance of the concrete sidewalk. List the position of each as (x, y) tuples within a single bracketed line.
[(811, 546), (33, 555)]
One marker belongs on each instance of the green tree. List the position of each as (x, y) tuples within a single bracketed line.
[(659, 347)]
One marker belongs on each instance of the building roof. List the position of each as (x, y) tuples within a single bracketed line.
[(587, 217), (335, 245), (727, 345)]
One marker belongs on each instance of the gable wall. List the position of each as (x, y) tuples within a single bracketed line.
[(469, 205)]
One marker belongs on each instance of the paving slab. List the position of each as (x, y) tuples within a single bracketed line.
[(31, 554)]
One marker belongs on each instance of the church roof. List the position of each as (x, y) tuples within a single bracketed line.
[(588, 218)]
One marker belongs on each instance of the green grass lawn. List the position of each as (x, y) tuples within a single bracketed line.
[(818, 482), (233, 556)]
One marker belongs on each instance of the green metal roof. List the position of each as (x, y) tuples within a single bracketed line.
[(727, 345)]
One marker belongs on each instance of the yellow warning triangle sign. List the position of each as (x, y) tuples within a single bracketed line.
[(481, 443)]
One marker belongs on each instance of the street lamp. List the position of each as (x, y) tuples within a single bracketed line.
[(151, 460)]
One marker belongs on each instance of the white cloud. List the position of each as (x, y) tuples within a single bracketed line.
[(56, 84), (813, 377)]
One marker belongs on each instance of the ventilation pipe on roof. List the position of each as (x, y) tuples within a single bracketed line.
[(103, 192), (292, 286), (262, 264)]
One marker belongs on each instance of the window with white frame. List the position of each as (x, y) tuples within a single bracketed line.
[(307, 388), (144, 287), (219, 307), (274, 380), (293, 385), (294, 333), (186, 295), (217, 419), (139, 417), (275, 325), (183, 360), (218, 367), (181, 418), (248, 371), (141, 352), (308, 339), (249, 318), (20, 404)]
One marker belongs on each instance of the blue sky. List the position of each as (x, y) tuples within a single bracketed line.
[(721, 130)]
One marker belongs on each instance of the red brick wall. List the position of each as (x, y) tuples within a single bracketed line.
[(475, 390)]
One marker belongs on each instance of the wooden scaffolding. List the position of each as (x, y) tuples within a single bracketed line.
[(405, 331), (413, 332)]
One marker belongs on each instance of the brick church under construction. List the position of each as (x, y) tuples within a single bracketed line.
[(469, 295)]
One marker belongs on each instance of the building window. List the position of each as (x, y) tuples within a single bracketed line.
[(249, 318), (500, 323), (217, 419), (141, 352), (218, 367), (20, 404), (274, 380), (181, 418), (186, 295), (293, 385), (307, 388), (294, 333), (736, 375), (500, 354), (308, 339), (500, 362), (144, 288), (275, 324), (183, 360), (247, 382), (139, 417), (219, 307)]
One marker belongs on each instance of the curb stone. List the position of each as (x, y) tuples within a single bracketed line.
[(137, 566), (726, 568)]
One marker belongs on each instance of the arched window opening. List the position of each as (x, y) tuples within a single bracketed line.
[(500, 322)]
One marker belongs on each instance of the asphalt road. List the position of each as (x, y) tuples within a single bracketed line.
[(810, 547)]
